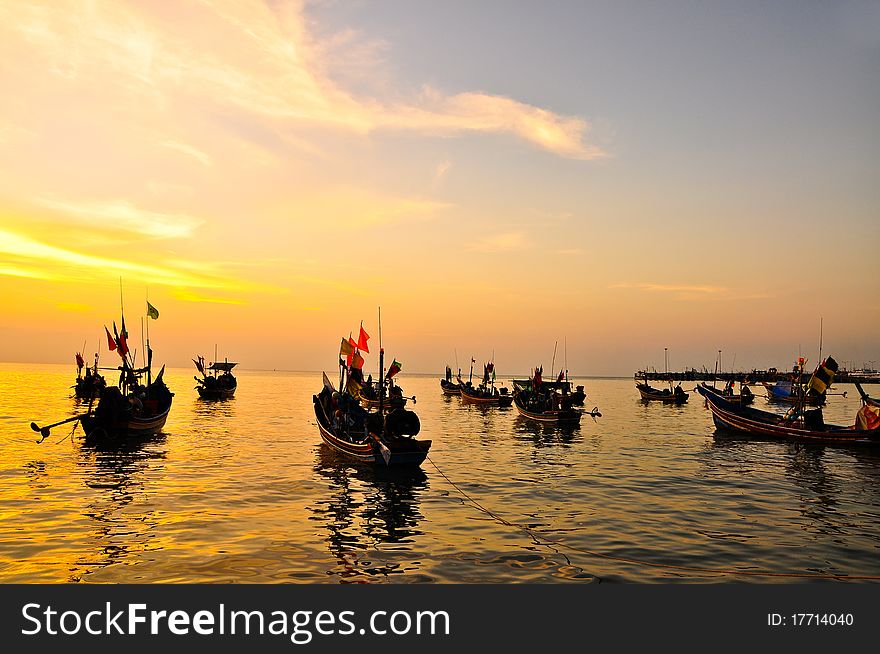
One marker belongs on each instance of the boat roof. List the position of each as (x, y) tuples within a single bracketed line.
[(224, 365)]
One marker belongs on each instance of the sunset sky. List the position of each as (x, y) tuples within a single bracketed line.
[(496, 175)]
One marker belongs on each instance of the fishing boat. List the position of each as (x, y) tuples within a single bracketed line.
[(130, 409), (790, 392), (485, 393), (88, 384), (486, 396), (137, 406), (813, 393), (377, 437), (563, 386), (369, 398), (669, 395), (798, 424), (448, 386), (744, 397), (542, 404), (217, 381)]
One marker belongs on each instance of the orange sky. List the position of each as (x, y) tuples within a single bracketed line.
[(272, 174)]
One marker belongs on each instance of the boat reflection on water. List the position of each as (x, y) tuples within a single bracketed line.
[(371, 514), (546, 434), (121, 525)]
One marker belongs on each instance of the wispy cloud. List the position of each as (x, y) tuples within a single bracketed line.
[(671, 288), (28, 257), (123, 215), (360, 208), (263, 59), (202, 157), (696, 292), (506, 242), (440, 171), (190, 296)]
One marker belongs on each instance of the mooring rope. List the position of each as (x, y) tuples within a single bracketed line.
[(543, 540)]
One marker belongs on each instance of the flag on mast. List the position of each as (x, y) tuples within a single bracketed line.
[(152, 312), (110, 342), (393, 369), (363, 337)]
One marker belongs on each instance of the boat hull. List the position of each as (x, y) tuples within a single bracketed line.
[(654, 395), (740, 399), (401, 451), (471, 397), (216, 393), (560, 417), (762, 424), (96, 428), (449, 388)]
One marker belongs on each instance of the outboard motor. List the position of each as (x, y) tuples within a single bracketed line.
[(401, 422)]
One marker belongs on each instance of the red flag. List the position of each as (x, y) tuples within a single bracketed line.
[(123, 345), (110, 342), (561, 376), (363, 337), (79, 360), (353, 349)]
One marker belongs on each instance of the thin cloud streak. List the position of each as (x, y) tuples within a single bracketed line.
[(671, 288), (264, 61), (123, 215), (44, 258), (507, 242), (184, 148)]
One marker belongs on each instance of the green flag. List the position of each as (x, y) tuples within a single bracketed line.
[(152, 312)]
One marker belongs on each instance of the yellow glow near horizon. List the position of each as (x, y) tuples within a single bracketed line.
[(219, 154)]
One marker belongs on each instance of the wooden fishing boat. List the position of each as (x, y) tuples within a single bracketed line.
[(88, 384), (485, 396), (787, 392), (137, 406), (540, 408), (368, 396), (385, 435), (448, 386), (564, 386), (798, 425), (671, 395), (370, 440), (675, 396), (139, 411), (485, 393), (744, 397), (213, 385)]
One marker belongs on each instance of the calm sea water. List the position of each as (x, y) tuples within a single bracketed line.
[(243, 491)]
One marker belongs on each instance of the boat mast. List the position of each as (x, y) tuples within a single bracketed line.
[(148, 350), (666, 359), (553, 362), (381, 374)]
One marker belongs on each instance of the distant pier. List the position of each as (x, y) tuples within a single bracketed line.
[(755, 376)]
